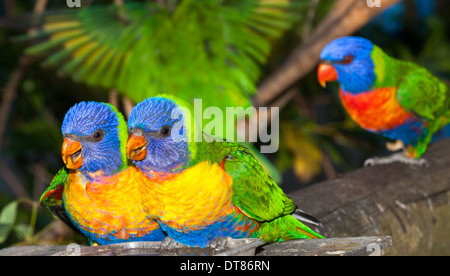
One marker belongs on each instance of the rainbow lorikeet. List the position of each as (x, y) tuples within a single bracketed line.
[(97, 192), (397, 99), (204, 190)]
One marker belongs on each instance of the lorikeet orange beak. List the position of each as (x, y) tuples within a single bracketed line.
[(136, 147), (71, 154), (326, 73)]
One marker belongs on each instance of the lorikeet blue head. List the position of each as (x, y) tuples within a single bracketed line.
[(94, 138), (348, 60), (159, 135)]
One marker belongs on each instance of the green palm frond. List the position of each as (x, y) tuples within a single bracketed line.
[(202, 49)]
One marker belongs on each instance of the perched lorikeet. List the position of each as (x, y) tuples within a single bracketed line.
[(397, 99), (200, 190), (97, 192)]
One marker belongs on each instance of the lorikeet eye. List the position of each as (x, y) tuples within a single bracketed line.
[(165, 131), (348, 59), (98, 135)]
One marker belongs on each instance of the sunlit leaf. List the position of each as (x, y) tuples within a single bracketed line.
[(7, 219), (142, 49), (9, 213)]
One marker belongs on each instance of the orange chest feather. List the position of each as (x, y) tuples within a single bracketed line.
[(375, 110)]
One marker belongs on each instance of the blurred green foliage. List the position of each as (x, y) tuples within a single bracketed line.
[(317, 138)]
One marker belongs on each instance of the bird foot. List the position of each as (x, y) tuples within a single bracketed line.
[(169, 243), (397, 157)]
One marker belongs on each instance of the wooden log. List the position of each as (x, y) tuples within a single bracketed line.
[(409, 203), (356, 246), (32, 250)]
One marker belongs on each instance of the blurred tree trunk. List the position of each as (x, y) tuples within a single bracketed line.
[(10, 89), (409, 203), (9, 94)]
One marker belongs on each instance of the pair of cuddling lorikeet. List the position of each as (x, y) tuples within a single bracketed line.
[(192, 192)]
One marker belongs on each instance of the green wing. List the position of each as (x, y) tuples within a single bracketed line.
[(423, 94), (195, 49), (254, 192), (52, 197)]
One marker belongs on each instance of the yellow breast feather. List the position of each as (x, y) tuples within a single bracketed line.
[(196, 196), (110, 205)]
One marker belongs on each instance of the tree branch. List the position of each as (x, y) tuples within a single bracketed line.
[(11, 180), (309, 19)]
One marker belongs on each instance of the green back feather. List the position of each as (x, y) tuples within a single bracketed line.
[(123, 136), (418, 91)]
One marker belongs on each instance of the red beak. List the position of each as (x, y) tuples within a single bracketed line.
[(326, 73)]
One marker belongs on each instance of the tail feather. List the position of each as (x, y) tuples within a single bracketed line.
[(286, 228), (306, 218)]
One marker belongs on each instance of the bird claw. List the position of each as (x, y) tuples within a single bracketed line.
[(369, 162), (397, 157)]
